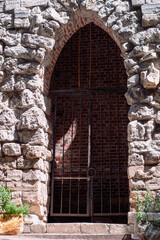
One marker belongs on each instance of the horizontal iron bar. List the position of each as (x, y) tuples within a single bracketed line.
[(109, 214), (88, 178), (93, 90), (69, 215), (87, 215)]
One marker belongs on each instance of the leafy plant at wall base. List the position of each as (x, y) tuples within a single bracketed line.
[(147, 205), (7, 207)]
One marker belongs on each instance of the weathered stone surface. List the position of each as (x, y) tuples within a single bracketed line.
[(137, 185), (7, 163), (33, 119), (21, 12), (7, 124), (140, 112), (1, 76), (32, 152), (34, 40), (38, 228), (120, 228), (24, 186), (27, 68), (6, 21), (66, 228), (133, 169), (1, 47), (39, 164), (158, 117), (11, 149), (150, 20), (32, 197), (50, 13), (11, 4), (36, 137), (20, 86), (91, 228), (137, 3), (150, 78), (30, 3), (136, 131), (140, 147), (31, 218), (11, 38), (1, 7), (26, 99), (21, 23), (37, 209), (131, 217), (8, 86), (144, 37), (14, 175), (135, 159)]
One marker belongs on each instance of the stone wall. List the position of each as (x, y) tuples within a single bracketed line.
[(32, 34)]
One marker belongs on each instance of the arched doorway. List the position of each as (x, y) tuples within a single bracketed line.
[(89, 174)]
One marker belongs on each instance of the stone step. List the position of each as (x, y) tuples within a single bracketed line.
[(63, 237)]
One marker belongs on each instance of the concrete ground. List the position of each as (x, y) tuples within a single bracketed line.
[(60, 237)]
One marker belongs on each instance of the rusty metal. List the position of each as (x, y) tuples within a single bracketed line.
[(66, 179)]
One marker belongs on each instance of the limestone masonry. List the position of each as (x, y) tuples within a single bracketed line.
[(32, 35)]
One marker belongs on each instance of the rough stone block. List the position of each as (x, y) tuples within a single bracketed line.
[(150, 8), (131, 217), (140, 112), (133, 169), (24, 186), (136, 131), (92, 228), (34, 175), (38, 228), (21, 12), (31, 219), (11, 149), (37, 210), (1, 76), (150, 20), (26, 99), (32, 119), (32, 197), (1, 7), (64, 228), (27, 229), (137, 3), (21, 23), (40, 41), (121, 229), (135, 159), (152, 1), (1, 47), (14, 175), (30, 3), (150, 78), (37, 137), (11, 38), (33, 152), (12, 4)]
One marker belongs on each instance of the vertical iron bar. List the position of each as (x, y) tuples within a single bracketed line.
[(53, 161), (90, 156), (117, 102), (63, 157), (70, 183), (110, 170), (80, 132), (101, 153)]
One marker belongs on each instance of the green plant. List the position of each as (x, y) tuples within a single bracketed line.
[(7, 207), (147, 205)]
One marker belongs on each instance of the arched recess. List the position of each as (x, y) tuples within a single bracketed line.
[(89, 176)]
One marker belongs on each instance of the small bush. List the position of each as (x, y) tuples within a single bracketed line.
[(7, 207)]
